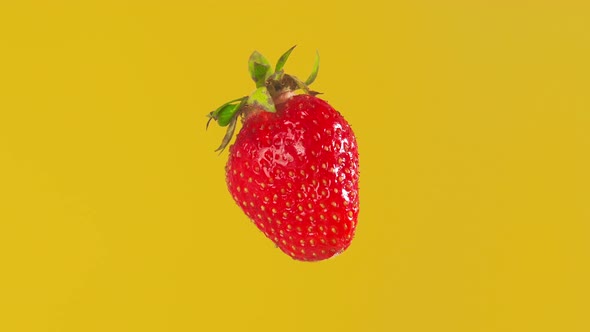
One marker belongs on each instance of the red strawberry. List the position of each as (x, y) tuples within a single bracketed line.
[(293, 168)]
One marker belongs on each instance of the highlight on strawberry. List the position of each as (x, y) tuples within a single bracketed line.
[(294, 166)]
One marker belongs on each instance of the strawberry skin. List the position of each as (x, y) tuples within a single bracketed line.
[(295, 175)]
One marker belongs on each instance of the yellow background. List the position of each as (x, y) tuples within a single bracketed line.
[(473, 121)]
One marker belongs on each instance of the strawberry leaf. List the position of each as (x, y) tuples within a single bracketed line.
[(224, 113), (314, 71), (261, 98), (283, 60), (228, 134), (259, 67)]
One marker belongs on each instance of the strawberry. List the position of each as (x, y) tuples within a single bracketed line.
[(293, 168)]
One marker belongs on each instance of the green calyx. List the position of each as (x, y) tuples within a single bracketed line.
[(259, 68), (271, 86)]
